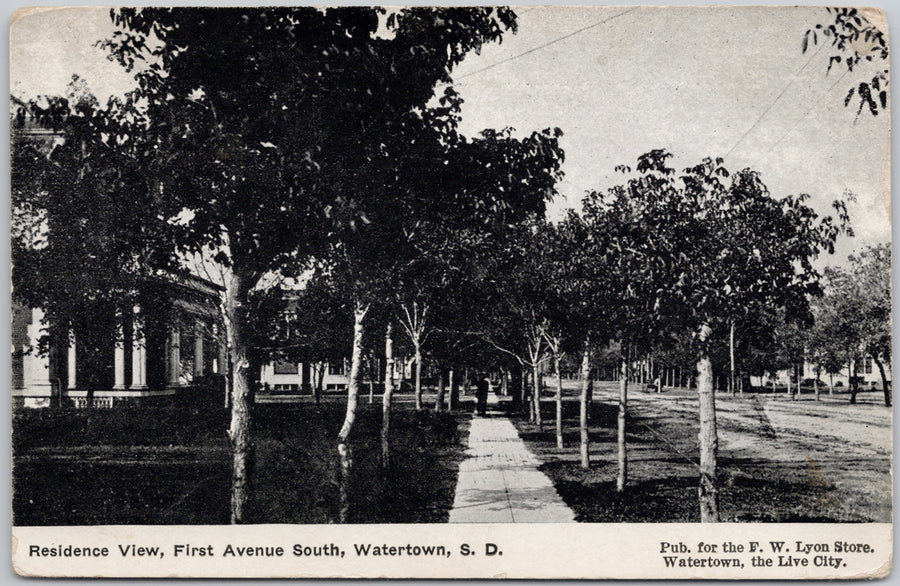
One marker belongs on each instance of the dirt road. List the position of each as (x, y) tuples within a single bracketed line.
[(779, 460)]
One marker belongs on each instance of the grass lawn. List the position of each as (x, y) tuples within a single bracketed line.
[(779, 461), (171, 465)]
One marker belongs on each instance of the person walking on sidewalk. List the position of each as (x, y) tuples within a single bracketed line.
[(481, 393)]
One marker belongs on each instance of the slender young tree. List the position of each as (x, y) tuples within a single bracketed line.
[(717, 245)]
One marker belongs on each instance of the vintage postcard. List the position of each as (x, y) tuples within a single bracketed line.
[(451, 292)]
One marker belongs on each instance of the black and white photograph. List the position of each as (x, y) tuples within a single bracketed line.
[(424, 291)]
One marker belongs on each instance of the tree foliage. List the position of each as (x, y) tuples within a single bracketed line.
[(853, 318), (854, 40)]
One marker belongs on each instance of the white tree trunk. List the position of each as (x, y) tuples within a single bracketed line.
[(537, 395), (583, 411), (239, 431), (386, 398), (418, 378), (731, 385), (454, 391), (709, 439), (622, 476), (441, 391), (559, 417), (353, 385)]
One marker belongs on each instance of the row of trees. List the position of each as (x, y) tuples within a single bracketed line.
[(295, 148), (261, 144)]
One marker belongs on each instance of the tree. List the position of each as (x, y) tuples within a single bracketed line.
[(855, 39), (255, 164), (396, 171), (854, 315), (722, 243), (518, 289), (580, 305), (486, 186), (630, 264), (774, 338), (827, 350), (872, 275), (565, 329), (239, 158)]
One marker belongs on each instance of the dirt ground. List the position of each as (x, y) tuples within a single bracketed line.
[(779, 460)]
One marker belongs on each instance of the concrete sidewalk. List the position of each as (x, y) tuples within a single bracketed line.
[(499, 481)]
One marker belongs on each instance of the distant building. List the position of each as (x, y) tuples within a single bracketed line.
[(864, 368), (291, 377)]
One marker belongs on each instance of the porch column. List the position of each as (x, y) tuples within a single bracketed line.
[(72, 363), (174, 357), (35, 368), (119, 355), (198, 349), (138, 352)]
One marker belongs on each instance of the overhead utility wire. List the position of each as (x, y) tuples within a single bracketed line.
[(775, 101), (539, 47), (811, 108)]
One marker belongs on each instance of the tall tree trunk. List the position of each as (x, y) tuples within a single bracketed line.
[(885, 384), (830, 384), (441, 390), (816, 385), (583, 419), (229, 376), (853, 382), (590, 393), (373, 372), (559, 418), (320, 381), (527, 394), (240, 429), (731, 385), (518, 384), (622, 476), (418, 377), (709, 439), (537, 395), (344, 451), (453, 402), (386, 398)]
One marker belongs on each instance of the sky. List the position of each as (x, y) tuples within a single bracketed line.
[(619, 81)]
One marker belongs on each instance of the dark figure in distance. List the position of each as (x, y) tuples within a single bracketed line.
[(481, 393)]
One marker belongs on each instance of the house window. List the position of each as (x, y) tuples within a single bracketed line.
[(337, 367), (285, 367), (863, 366)]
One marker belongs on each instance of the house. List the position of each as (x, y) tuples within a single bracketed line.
[(168, 344), (291, 377)]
